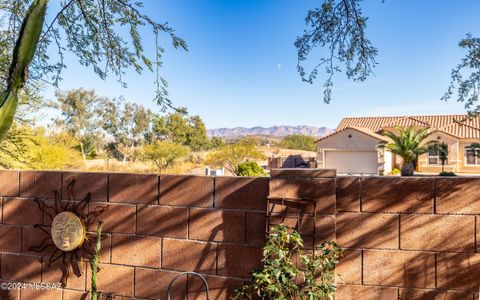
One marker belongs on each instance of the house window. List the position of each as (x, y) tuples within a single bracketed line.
[(472, 156), (434, 154)]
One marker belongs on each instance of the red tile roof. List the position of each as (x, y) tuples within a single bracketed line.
[(460, 126), (360, 129)]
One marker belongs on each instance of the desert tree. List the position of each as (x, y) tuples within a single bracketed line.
[(127, 123), (164, 154), (77, 116), (231, 156), (181, 128), (88, 28), (339, 28)]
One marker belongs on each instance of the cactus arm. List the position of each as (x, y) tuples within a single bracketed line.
[(7, 112), (26, 45), (23, 54)]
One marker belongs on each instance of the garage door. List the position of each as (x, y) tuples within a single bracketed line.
[(357, 162)]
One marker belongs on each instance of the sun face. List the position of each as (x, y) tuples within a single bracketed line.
[(67, 233)]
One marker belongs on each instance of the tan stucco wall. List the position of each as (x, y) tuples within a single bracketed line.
[(341, 141), (361, 141)]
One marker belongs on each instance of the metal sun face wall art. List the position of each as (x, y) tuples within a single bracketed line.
[(67, 236), (68, 231)]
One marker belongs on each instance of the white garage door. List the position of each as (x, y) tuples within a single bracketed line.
[(357, 162)]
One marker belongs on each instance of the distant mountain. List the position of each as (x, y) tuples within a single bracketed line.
[(277, 131)]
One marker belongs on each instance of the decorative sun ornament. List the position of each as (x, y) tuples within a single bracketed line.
[(67, 233)]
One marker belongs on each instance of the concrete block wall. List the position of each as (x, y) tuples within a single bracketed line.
[(156, 227), (405, 238), (408, 238)]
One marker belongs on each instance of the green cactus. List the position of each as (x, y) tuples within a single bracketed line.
[(23, 54), (96, 254)]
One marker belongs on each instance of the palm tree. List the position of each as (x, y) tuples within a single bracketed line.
[(443, 154), (409, 145)]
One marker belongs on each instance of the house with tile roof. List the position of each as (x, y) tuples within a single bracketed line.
[(353, 147)]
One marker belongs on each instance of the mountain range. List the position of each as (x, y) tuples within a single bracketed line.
[(277, 131)]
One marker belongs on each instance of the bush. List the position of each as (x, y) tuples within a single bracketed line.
[(281, 278), (250, 168), (299, 142), (164, 154), (395, 171), (445, 173)]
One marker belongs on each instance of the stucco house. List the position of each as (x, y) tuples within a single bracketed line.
[(353, 147)]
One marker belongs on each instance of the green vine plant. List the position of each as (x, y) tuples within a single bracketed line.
[(96, 255), (313, 277)]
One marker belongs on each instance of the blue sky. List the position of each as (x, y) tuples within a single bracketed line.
[(241, 66)]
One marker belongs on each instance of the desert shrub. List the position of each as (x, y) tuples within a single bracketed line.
[(250, 168), (164, 155), (395, 171), (446, 173), (281, 278)]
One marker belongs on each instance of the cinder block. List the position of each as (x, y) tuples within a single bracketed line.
[(256, 228), (238, 261), (414, 294), (153, 284), (74, 295), (50, 211), (9, 294), (9, 183), (114, 279), (219, 287), (305, 225), (185, 190), (106, 248), (366, 230), (303, 173), (136, 251), (349, 269), (41, 184), (118, 218), (437, 233), (185, 255), (162, 221), (459, 271), (18, 211), (457, 195), (21, 268), (241, 193), (321, 190), (10, 238), (76, 186), (355, 292), (399, 268), (324, 229), (217, 225), (133, 188), (33, 237), (293, 207), (397, 194), (39, 294), (54, 273), (348, 194)]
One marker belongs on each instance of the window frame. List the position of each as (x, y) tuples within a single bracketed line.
[(437, 156), (476, 153)]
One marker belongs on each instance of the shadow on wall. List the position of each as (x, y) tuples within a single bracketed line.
[(411, 236), (155, 227)]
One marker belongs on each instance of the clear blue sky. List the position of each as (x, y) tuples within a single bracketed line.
[(241, 67)]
